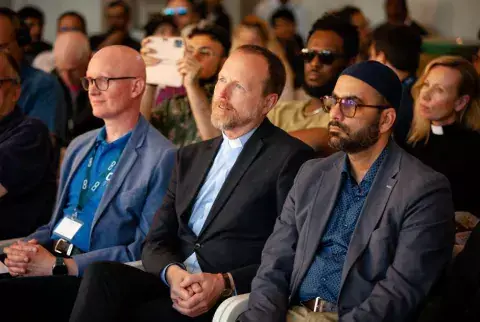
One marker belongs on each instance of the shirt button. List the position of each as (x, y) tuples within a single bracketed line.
[(323, 279)]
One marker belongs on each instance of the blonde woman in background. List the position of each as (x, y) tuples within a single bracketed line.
[(255, 31), (444, 132)]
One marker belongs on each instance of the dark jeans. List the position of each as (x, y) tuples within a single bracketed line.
[(115, 292), (44, 298)]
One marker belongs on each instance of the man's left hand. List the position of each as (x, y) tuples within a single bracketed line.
[(212, 286)]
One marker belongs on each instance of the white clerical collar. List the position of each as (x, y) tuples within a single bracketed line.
[(240, 141), (437, 130)]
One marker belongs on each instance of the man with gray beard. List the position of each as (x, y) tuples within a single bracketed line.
[(222, 202), (365, 233)]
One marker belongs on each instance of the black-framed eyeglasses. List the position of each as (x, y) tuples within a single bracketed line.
[(101, 83), (348, 105), (12, 80), (326, 57)]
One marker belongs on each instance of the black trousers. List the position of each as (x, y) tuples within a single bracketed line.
[(44, 298), (115, 292)]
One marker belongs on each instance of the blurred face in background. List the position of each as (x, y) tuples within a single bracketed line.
[(69, 23), (35, 27), (363, 26), (396, 13), (182, 12), (284, 29), (117, 18), (438, 99), (166, 30), (8, 41), (247, 35), (9, 88)]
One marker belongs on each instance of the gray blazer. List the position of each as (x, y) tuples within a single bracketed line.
[(402, 241), (134, 194)]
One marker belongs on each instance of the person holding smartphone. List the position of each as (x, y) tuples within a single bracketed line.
[(185, 118)]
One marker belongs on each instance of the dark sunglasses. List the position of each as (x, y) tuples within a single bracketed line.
[(325, 57), (179, 11), (348, 105)]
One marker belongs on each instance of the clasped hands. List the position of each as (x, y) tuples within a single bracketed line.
[(28, 259), (193, 294)]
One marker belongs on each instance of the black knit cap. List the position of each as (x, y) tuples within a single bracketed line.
[(380, 77)]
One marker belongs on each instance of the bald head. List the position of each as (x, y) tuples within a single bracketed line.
[(116, 83), (119, 61), (71, 47)]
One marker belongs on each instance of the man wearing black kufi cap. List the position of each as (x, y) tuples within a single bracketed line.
[(365, 233)]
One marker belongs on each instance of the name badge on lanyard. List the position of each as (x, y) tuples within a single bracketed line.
[(69, 226)]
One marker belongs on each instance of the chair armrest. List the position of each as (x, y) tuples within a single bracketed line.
[(231, 308), (136, 264), (6, 243)]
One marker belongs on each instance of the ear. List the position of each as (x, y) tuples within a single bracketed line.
[(138, 87), (387, 120), (461, 103), (269, 103), (16, 94), (380, 57)]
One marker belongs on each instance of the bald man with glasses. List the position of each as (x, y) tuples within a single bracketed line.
[(112, 181)]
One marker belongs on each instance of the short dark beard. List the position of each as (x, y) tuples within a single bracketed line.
[(355, 142)]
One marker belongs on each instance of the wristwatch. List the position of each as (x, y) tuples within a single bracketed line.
[(59, 268), (228, 291)]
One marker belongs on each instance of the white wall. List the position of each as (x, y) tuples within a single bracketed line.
[(448, 18), (90, 9)]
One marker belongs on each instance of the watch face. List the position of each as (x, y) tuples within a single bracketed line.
[(60, 268)]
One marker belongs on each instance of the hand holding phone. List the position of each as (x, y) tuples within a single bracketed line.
[(161, 56)]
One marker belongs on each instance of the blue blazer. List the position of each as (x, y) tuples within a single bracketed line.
[(134, 194)]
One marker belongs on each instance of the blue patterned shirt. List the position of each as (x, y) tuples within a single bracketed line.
[(325, 273)]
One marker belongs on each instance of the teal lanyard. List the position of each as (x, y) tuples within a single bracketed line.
[(86, 192)]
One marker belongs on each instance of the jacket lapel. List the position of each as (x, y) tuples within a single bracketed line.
[(319, 214), (125, 163), (193, 184), (374, 207), (77, 161), (245, 159)]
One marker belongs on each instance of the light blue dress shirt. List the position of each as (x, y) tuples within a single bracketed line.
[(223, 163)]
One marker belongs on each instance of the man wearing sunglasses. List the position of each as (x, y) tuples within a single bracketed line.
[(27, 178), (184, 13), (365, 233), (112, 181), (118, 19), (332, 45)]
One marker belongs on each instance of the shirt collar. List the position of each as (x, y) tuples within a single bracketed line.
[(437, 129), (240, 141), (102, 138), (371, 173)]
